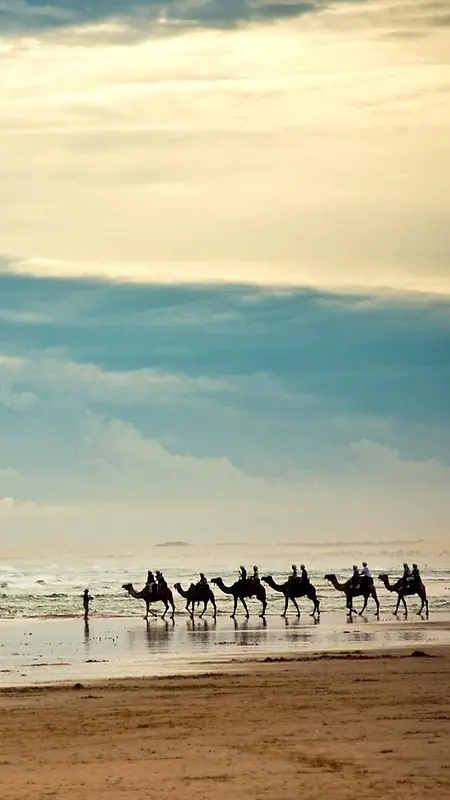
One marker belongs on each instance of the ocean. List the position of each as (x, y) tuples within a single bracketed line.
[(40, 587)]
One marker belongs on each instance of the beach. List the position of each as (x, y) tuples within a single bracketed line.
[(342, 725), (119, 706)]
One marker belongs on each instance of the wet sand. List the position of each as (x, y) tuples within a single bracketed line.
[(60, 649), (344, 726)]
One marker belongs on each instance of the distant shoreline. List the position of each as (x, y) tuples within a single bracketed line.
[(173, 544)]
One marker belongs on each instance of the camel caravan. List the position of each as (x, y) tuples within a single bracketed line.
[(297, 586)]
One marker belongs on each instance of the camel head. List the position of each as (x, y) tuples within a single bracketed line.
[(127, 586), (330, 577), (383, 577), (177, 586), (267, 578), (216, 580)]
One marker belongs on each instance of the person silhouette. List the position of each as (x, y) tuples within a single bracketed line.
[(87, 599)]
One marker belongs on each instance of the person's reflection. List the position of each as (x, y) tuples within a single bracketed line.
[(86, 633)]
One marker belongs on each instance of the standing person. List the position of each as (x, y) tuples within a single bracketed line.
[(86, 600)]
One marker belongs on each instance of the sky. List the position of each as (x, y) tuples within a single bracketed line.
[(224, 272)]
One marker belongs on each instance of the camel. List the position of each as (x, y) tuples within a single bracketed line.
[(366, 589), (242, 589), (197, 594), (293, 589), (163, 595), (411, 588)]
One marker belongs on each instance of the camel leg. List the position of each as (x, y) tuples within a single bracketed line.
[(294, 602), (264, 606), (247, 613), (213, 602), (316, 608), (375, 597), (235, 607), (364, 606), (191, 613), (286, 602), (173, 609), (405, 605), (205, 603), (166, 608)]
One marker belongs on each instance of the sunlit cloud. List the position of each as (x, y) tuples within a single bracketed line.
[(199, 158)]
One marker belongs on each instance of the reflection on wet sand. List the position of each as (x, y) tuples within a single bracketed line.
[(159, 646)]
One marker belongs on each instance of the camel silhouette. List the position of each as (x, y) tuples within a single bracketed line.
[(162, 595), (242, 589), (366, 588), (411, 588), (197, 594), (293, 589)]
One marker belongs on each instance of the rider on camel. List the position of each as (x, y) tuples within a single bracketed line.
[(416, 573), (162, 583), (203, 581), (294, 574), (151, 583), (304, 576), (242, 573), (406, 577), (255, 576), (356, 577), (365, 572)]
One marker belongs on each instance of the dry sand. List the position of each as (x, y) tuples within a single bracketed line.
[(341, 727)]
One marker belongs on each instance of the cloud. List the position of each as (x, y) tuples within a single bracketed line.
[(126, 480), (269, 275), (384, 463), (8, 473), (17, 400), (16, 15), (59, 378), (135, 467), (200, 159)]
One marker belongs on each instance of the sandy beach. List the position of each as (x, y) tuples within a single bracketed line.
[(360, 725)]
